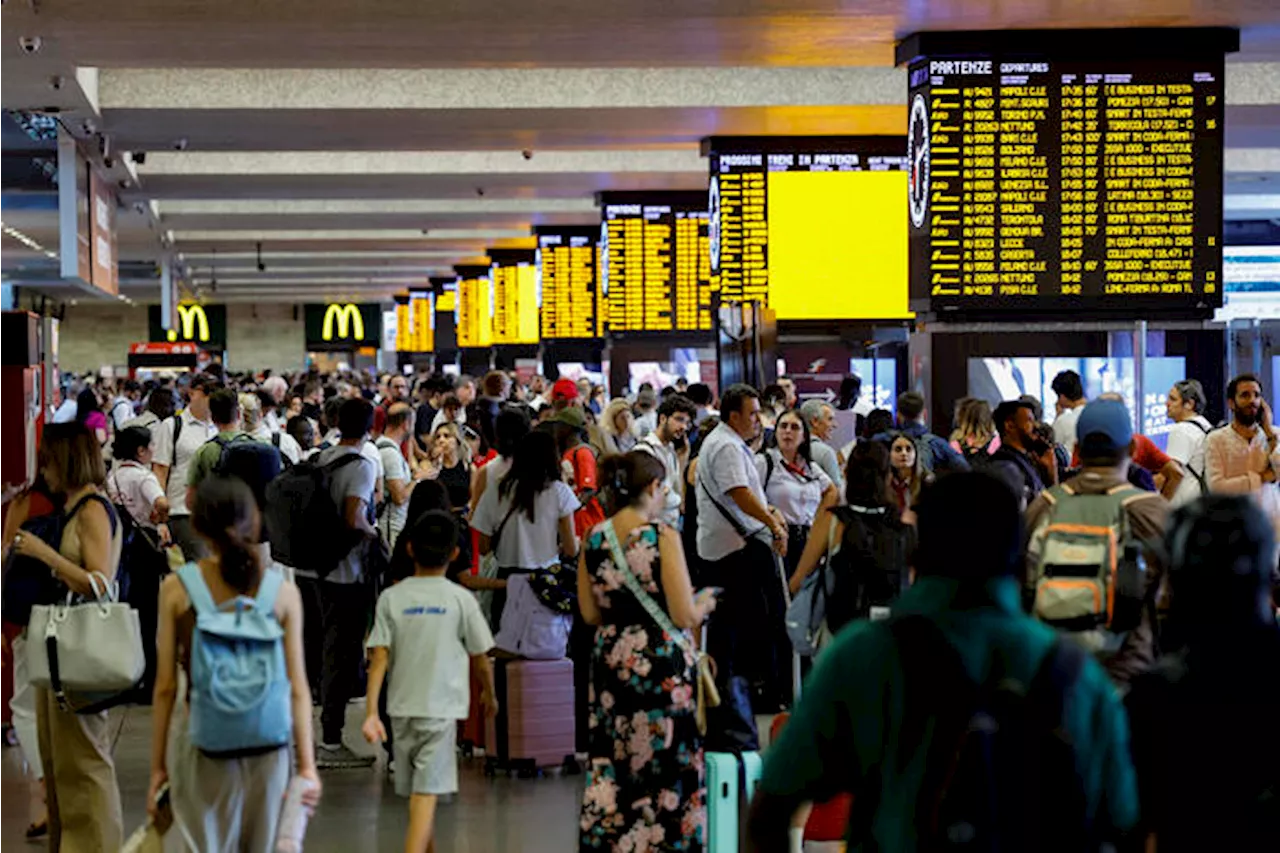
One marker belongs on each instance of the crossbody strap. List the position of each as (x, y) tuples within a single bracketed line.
[(680, 638), (497, 531), (728, 516)]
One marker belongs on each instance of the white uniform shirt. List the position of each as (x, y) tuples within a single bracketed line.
[(725, 463), (194, 433), (795, 495), (1064, 428)]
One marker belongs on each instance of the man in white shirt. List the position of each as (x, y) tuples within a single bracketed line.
[(122, 407), (397, 479), (675, 416), (1070, 391), (646, 410), (171, 459), (255, 425), (821, 419), (66, 411), (738, 535), (1187, 438), (1244, 458)]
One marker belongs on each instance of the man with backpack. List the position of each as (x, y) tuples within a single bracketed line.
[(959, 717), (337, 603), (233, 452), (1089, 569), (936, 454), (1024, 456)]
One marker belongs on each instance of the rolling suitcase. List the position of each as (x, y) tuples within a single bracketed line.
[(732, 780), (471, 730), (535, 725)]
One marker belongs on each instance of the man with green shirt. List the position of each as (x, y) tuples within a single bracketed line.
[(868, 724), (224, 411)]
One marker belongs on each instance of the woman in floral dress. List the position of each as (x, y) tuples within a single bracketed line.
[(645, 789)]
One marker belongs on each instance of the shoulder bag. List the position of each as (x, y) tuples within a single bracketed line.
[(89, 654), (806, 618), (489, 566), (704, 667)]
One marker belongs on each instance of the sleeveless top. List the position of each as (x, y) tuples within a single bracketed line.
[(72, 549)]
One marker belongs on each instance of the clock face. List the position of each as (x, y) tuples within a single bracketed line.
[(918, 160), (713, 228)]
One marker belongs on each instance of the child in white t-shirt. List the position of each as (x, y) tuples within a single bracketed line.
[(426, 628)]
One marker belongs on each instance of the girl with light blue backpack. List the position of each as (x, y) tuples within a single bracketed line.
[(235, 631)]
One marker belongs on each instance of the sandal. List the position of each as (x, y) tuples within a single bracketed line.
[(38, 830)]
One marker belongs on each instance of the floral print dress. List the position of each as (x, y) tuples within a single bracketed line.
[(645, 789)]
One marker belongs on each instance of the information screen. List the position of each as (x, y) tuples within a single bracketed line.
[(404, 325), (474, 313), (445, 291), (567, 281), (514, 280), (1043, 182), (655, 260), (815, 227), (422, 319)]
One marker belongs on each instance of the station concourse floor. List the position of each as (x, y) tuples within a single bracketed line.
[(360, 811)]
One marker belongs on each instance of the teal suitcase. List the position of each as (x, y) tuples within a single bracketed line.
[(732, 780)]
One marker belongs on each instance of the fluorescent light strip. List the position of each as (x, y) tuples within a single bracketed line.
[(320, 255), (267, 282), (323, 269), (27, 241), (360, 234), (288, 207)]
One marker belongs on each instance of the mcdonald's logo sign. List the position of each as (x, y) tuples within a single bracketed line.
[(347, 318), (193, 322)]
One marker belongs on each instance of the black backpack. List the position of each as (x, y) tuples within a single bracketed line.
[(1000, 770), (255, 462), (306, 527), (870, 569)]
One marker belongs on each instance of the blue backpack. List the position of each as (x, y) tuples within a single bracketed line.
[(240, 692)]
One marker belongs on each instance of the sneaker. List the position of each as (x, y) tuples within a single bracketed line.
[(338, 757)]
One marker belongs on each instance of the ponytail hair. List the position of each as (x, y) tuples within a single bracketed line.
[(226, 514), (624, 477)]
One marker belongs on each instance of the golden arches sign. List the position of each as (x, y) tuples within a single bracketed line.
[(191, 320), (349, 321)]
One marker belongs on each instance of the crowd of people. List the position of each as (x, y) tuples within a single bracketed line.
[(1128, 592)]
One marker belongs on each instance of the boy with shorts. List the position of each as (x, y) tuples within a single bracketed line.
[(426, 627)]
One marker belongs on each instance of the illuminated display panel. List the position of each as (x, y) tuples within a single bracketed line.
[(404, 325), (1047, 180), (444, 290), (422, 319), (815, 227), (474, 312), (654, 261), (514, 279), (568, 285)]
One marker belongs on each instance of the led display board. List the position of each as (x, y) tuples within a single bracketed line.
[(568, 284), (513, 278)]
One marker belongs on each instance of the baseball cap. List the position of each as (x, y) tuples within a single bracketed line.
[(1104, 428), (573, 416), (564, 389)]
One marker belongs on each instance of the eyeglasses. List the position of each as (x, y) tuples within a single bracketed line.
[(789, 426)]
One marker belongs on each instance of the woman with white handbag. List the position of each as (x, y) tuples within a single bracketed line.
[(80, 776)]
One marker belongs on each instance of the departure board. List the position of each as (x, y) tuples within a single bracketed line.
[(812, 226), (567, 281), (514, 278), (474, 311), (445, 291), (655, 261), (1045, 178), (404, 326), (422, 319)]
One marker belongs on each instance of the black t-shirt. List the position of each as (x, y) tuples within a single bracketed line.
[(422, 421), (1203, 731)]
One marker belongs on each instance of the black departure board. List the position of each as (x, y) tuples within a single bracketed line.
[(1062, 171), (567, 281), (655, 261)]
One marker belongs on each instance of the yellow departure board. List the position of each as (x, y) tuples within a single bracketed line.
[(514, 278), (404, 325), (815, 227), (422, 319), (655, 268), (474, 313), (1046, 179), (567, 281)]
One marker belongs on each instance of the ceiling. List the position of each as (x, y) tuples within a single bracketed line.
[(366, 145)]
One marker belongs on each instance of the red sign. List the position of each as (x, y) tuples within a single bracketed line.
[(163, 348)]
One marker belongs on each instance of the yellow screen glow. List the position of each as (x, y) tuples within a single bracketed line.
[(838, 245)]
